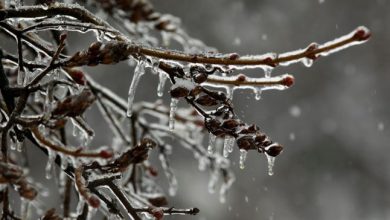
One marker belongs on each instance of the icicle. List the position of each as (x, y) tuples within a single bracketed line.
[(138, 72), (202, 163), (162, 79), (24, 208), (229, 92), (228, 146), (271, 162), (80, 206), (173, 186), (19, 146), (49, 164), (21, 76), (243, 154), (84, 132), (172, 113), (258, 92), (169, 174), (211, 147), (267, 71), (213, 181), (225, 187), (91, 213)]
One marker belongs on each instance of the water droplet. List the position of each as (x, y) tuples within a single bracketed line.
[(138, 72), (243, 155), (211, 147), (271, 162), (49, 164), (162, 79), (172, 113)]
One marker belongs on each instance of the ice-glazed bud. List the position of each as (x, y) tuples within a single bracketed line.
[(74, 105), (199, 77), (152, 171), (269, 61), (245, 142), (158, 213), (362, 34), (179, 92), (94, 201), (214, 126), (234, 56), (206, 100), (241, 77), (196, 91), (158, 201), (274, 150), (230, 123), (253, 128), (77, 75), (105, 154), (260, 137), (288, 81), (310, 49), (95, 47)]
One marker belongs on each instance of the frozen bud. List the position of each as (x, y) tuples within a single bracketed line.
[(230, 123), (362, 34), (158, 201), (310, 49), (269, 61), (74, 105), (266, 143), (105, 154), (158, 213), (77, 75), (94, 201), (214, 126), (288, 81), (152, 171), (253, 128), (199, 77), (179, 92), (196, 91), (274, 150), (241, 77), (260, 137), (234, 56), (206, 100), (245, 142), (95, 47), (25, 190)]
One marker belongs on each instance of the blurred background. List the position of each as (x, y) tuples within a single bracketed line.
[(334, 122)]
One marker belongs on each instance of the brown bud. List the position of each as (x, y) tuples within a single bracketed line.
[(274, 150), (196, 91), (200, 77), (245, 142), (206, 100), (230, 123), (179, 92)]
